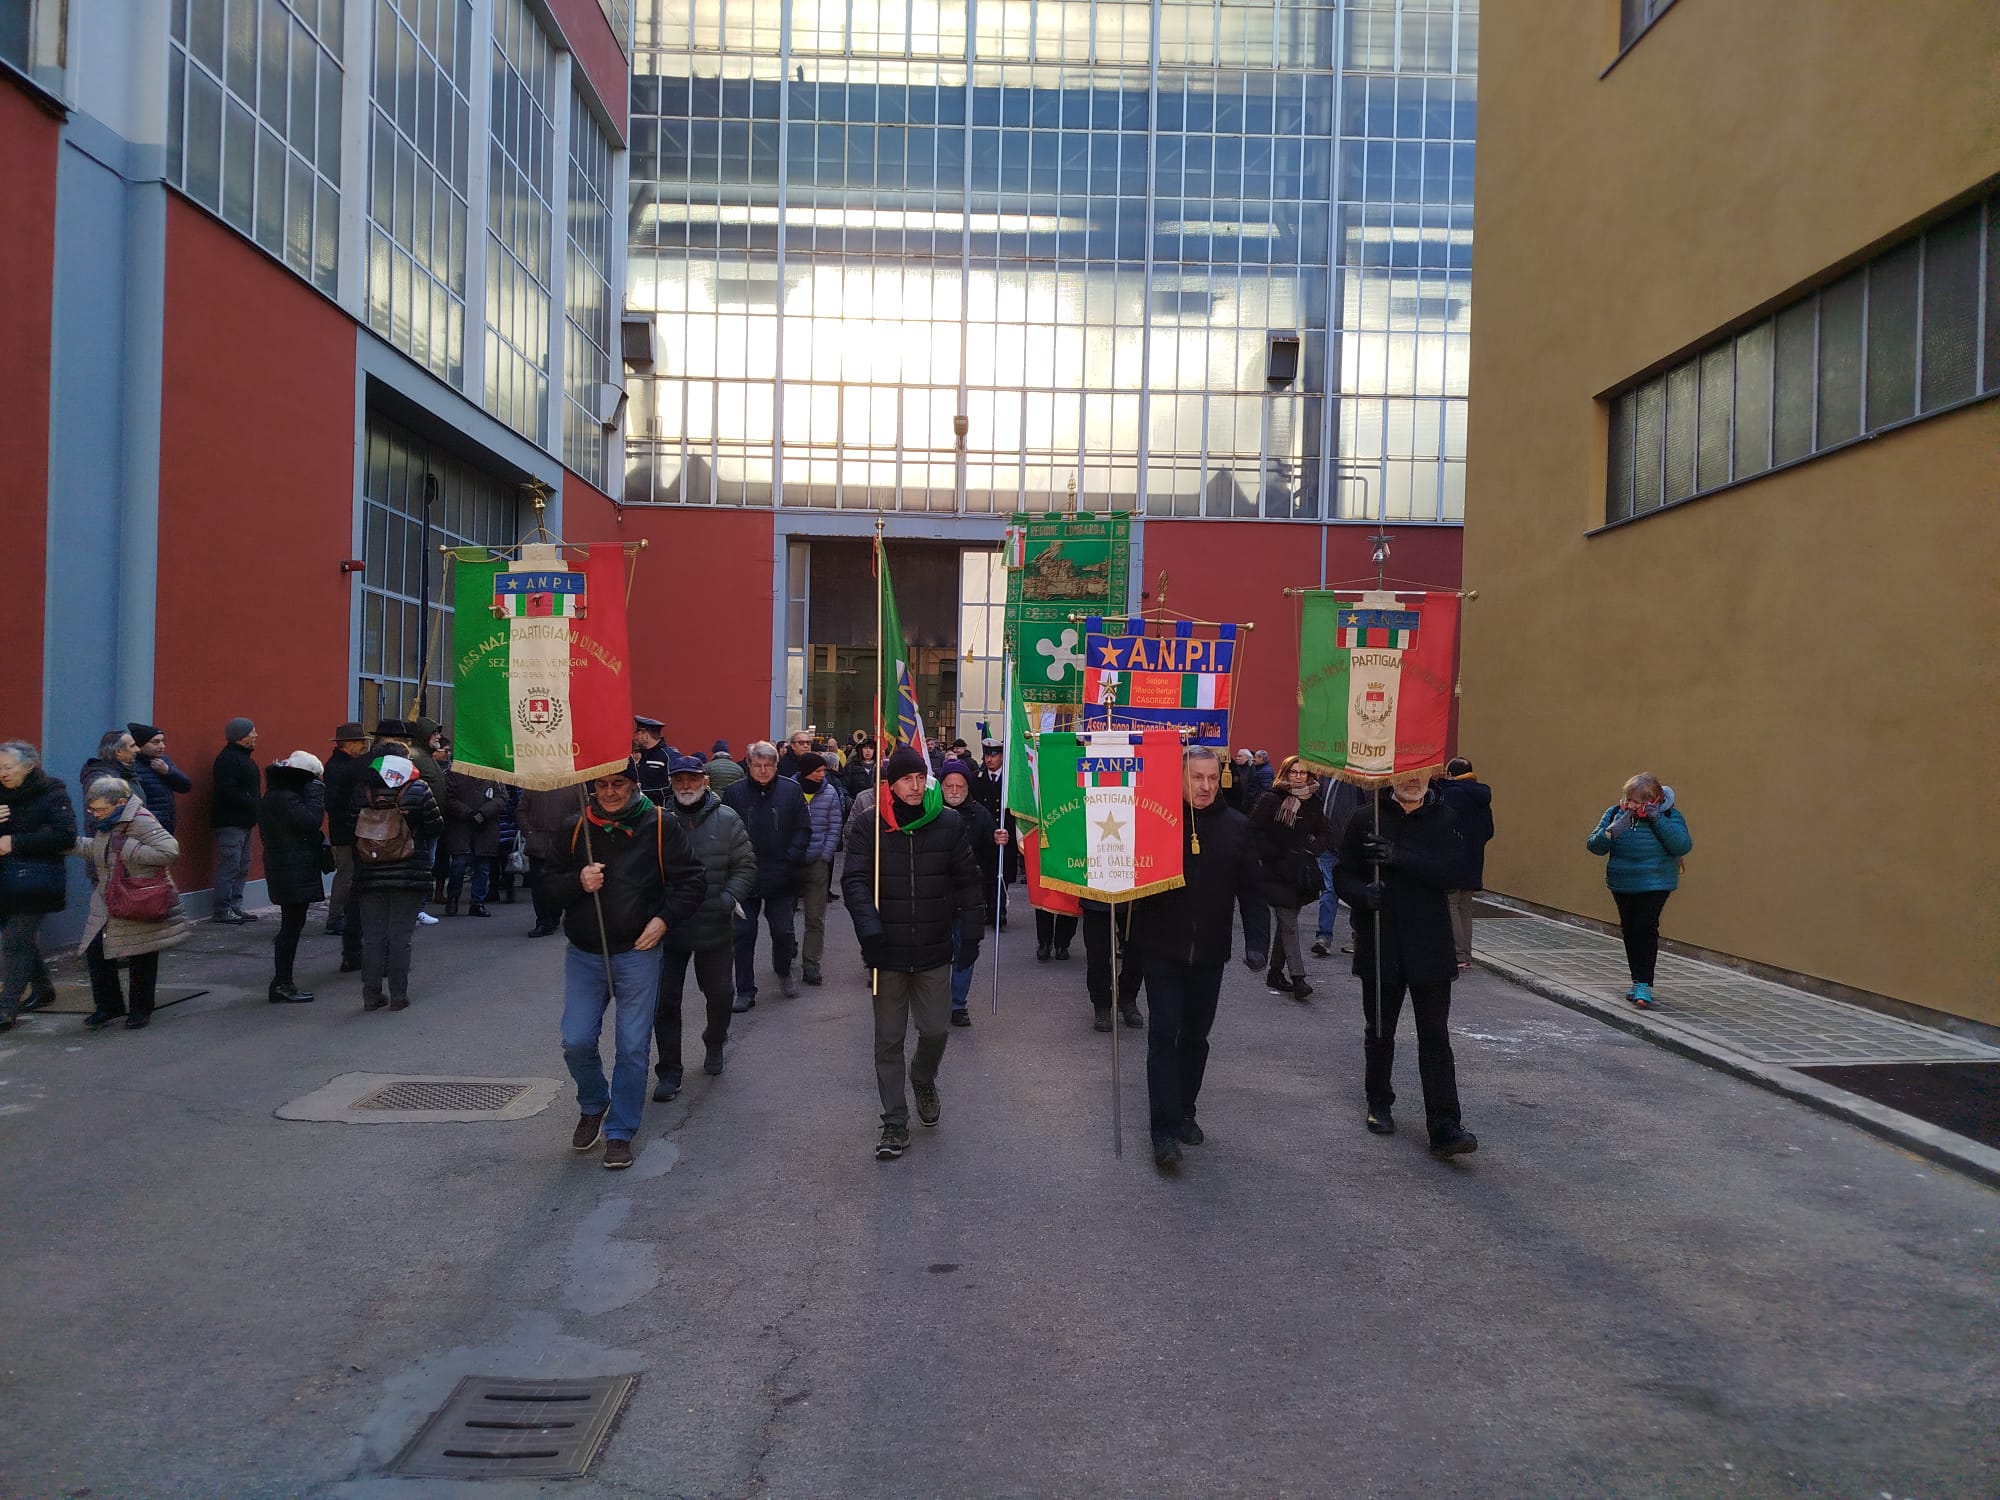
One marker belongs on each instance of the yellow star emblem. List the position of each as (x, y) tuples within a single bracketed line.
[(1109, 653), (1111, 828)]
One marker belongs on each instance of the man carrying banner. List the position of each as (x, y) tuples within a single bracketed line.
[(1182, 938), (622, 876), (1417, 854), (929, 879)]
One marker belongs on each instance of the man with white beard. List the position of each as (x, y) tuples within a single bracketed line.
[(720, 841)]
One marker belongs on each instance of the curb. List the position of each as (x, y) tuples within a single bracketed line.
[(1919, 1136)]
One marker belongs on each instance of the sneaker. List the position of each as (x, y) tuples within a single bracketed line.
[(1381, 1122), (1190, 1133), (1276, 983), (1455, 1143), (245, 916), (788, 987), (1347, 947), (1100, 1018), (1131, 1017), (711, 1064), (1301, 991), (1321, 948), (589, 1130), (97, 1020), (668, 1086), (962, 1016), (895, 1140), (812, 976), (227, 917), (617, 1155), (288, 994), (929, 1106), (1642, 996), (743, 1003), (1166, 1152), (425, 919)]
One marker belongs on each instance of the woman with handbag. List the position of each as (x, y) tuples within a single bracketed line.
[(296, 858), (135, 912), (1289, 830), (37, 828)]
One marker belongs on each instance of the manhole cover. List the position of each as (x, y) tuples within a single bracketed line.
[(493, 1428), (423, 1093)]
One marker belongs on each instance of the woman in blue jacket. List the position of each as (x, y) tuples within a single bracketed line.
[(1644, 838)]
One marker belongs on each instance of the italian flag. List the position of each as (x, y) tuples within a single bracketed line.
[(541, 667), (896, 697), (1111, 813)]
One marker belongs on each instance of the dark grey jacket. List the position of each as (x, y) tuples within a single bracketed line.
[(719, 840)]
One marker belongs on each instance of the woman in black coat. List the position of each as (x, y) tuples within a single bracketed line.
[(473, 809), (37, 828), (288, 817), (1395, 881), (1288, 826)]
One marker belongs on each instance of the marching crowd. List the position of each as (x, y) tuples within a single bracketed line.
[(675, 862)]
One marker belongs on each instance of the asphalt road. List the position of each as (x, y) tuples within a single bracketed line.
[(1652, 1280)]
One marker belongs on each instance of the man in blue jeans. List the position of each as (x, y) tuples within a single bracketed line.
[(621, 876), (1339, 800)]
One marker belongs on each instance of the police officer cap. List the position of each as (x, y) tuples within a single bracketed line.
[(640, 721)]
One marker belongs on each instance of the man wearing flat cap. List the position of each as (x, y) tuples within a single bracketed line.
[(350, 742)]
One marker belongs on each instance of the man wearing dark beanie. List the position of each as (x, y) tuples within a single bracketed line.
[(904, 901), (154, 777), (232, 813)]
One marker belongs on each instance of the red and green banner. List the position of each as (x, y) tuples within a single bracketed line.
[(542, 697), (1376, 675), (1111, 813)]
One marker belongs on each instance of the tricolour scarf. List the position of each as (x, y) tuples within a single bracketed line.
[(624, 823)]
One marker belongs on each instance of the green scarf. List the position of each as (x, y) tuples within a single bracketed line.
[(624, 824)]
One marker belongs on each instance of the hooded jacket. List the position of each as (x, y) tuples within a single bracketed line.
[(426, 821), (42, 824), (1643, 854), (823, 813), (718, 839), (780, 827), (1471, 803), (649, 873), (929, 877), (1195, 924), (1417, 943), (288, 820), (425, 762)]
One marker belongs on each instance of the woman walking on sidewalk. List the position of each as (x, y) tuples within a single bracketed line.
[(37, 828), (1645, 839), (295, 857)]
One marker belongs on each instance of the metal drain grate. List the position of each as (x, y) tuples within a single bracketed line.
[(493, 1428), (423, 1093)]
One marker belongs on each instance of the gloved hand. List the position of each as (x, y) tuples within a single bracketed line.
[(1372, 895), (968, 953), (872, 950), (1377, 850)]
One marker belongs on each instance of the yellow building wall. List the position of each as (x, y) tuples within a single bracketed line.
[(1811, 659)]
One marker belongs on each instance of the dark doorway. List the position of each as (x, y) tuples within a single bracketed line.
[(840, 632)]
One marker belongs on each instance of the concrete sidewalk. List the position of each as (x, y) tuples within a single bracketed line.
[(1756, 1029)]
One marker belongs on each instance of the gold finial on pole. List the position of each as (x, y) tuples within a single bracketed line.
[(1161, 603)]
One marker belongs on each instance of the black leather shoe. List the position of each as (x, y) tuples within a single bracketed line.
[(137, 1023), (35, 1002), (350, 966), (711, 1062), (98, 1019), (1190, 1132), (1062, 955), (1131, 1017), (668, 1086), (1100, 1019), (478, 909), (962, 1016), (1454, 1143), (1042, 951), (1381, 1122), (1166, 1153)]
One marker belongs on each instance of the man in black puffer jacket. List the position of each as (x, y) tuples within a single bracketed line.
[(774, 810), (929, 879), (623, 877), (1395, 882), (1182, 939)]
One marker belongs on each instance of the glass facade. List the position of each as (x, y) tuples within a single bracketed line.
[(590, 314), (253, 122), (520, 240), (468, 507), (1078, 232), (420, 139)]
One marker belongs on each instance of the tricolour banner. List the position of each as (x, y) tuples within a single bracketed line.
[(1173, 680), (1041, 896), (1111, 813), (1375, 682), (541, 695)]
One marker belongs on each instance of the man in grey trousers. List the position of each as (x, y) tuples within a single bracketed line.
[(905, 932)]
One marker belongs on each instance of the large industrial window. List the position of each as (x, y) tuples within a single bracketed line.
[(590, 315), (520, 243), (253, 122), (1908, 335), (400, 640), (419, 137)]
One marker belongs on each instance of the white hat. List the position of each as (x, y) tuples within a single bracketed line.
[(303, 760)]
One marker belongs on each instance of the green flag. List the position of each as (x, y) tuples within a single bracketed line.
[(1022, 800), (896, 701)]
